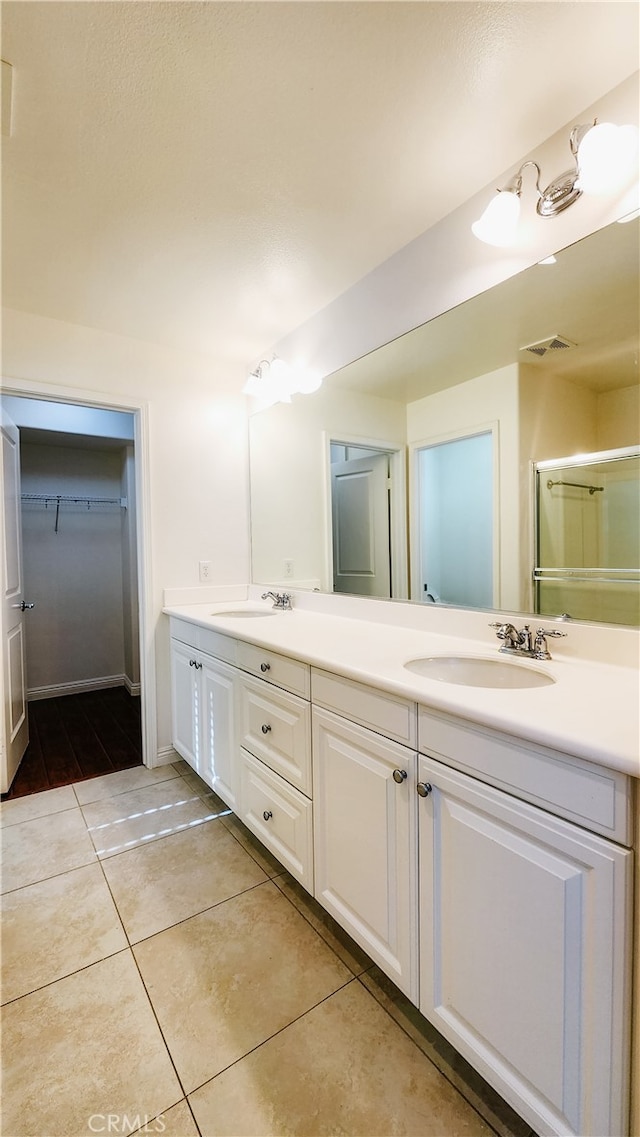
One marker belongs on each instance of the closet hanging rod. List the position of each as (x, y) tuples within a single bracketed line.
[(577, 485), (72, 499)]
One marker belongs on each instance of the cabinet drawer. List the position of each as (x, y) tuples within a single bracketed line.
[(203, 639), (279, 815), (590, 795), (386, 714), (276, 727), (274, 668)]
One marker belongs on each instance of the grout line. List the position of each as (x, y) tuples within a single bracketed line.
[(61, 978), (281, 1030), (200, 912)]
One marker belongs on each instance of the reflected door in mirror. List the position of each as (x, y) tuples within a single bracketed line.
[(360, 523)]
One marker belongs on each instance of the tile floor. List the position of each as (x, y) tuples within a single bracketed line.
[(162, 974)]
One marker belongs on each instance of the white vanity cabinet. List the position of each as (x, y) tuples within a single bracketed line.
[(524, 937), (365, 833), (203, 707)]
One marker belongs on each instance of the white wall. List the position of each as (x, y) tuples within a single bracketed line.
[(197, 450), (75, 633)]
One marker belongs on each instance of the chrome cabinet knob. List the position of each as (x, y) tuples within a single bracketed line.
[(424, 789), (24, 606), (265, 667), (265, 728), (192, 663), (267, 814), (399, 776)]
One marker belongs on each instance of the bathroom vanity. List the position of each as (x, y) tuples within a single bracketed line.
[(476, 842)]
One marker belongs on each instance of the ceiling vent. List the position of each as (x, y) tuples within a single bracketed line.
[(552, 343)]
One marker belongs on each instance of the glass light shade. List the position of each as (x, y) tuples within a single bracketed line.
[(607, 158), (308, 381), (498, 223)]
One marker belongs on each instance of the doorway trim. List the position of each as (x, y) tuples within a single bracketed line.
[(26, 388), (398, 520)]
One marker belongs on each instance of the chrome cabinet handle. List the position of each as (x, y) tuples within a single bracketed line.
[(265, 667), (424, 789), (267, 814), (399, 776), (265, 728)]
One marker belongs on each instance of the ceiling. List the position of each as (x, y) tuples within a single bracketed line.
[(208, 175)]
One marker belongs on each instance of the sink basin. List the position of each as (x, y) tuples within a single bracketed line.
[(240, 613), (475, 671)]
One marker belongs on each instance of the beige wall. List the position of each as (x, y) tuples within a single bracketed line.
[(619, 418), (197, 449)]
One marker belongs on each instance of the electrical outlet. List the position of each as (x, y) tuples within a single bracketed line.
[(288, 568), (205, 571)]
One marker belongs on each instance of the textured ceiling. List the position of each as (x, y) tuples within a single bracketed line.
[(208, 175)]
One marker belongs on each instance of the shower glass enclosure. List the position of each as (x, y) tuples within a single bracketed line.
[(588, 537)]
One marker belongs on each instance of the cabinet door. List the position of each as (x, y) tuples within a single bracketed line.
[(220, 755), (524, 962), (365, 842), (185, 688)]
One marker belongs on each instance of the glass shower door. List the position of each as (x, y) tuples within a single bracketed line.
[(588, 537)]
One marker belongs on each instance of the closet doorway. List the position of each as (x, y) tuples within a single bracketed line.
[(80, 572)]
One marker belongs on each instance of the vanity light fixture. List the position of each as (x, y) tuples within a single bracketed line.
[(274, 381), (605, 158)]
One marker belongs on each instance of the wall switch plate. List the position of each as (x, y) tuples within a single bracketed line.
[(288, 568), (205, 571)]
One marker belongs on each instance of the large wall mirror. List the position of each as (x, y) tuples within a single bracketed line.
[(453, 427)]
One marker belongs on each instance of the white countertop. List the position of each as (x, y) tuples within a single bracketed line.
[(592, 710)]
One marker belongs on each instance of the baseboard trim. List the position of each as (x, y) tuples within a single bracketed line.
[(56, 689), (166, 755), (132, 688)]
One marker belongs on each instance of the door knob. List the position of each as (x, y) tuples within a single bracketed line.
[(267, 814), (265, 667), (424, 789), (265, 728), (399, 776)]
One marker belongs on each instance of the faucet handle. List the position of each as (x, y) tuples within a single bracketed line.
[(540, 649), (550, 632)]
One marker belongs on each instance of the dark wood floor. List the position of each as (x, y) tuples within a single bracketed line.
[(75, 737)]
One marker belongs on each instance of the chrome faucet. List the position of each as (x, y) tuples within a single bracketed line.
[(281, 600), (521, 643)]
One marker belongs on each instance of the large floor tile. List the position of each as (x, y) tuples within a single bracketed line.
[(36, 805), (344, 1068), (175, 1122), (44, 847), (88, 1045), (226, 980), (121, 782), (157, 885), (55, 927), (135, 818)]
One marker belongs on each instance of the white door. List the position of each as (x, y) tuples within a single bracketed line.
[(360, 521), (366, 842), (15, 723), (524, 961)]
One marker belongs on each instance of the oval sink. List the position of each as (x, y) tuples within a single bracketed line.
[(239, 613), (475, 671)]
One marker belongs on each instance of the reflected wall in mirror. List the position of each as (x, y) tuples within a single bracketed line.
[(546, 362)]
